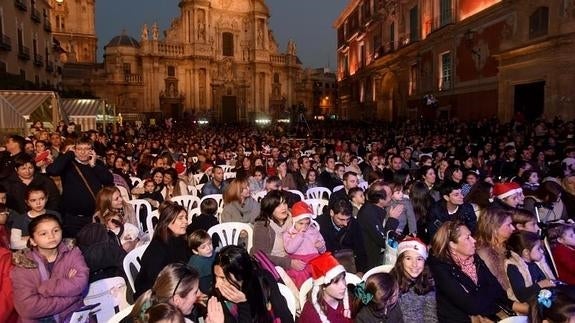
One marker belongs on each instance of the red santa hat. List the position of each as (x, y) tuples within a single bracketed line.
[(504, 190), (180, 168), (324, 268), (301, 210), (412, 244), (206, 167)]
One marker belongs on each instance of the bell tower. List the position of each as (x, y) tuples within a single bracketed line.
[(73, 25)]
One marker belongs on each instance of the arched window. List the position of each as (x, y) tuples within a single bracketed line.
[(228, 44), (539, 22)]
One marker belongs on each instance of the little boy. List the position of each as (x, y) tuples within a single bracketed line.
[(357, 199), (203, 258)]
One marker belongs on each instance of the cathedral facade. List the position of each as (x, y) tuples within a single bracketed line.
[(217, 59)]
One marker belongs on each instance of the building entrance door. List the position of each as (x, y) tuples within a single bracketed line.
[(229, 109), (530, 99)]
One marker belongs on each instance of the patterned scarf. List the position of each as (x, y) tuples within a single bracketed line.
[(467, 266)]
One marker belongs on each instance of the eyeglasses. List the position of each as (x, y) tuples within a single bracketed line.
[(178, 285)]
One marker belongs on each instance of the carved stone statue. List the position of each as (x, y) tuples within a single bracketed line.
[(202, 27), (155, 31), (144, 35), (291, 48)]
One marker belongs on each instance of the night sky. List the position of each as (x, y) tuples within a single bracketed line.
[(308, 22)]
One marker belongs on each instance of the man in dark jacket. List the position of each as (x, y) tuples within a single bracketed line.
[(341, 231), (451, 207), (349, 181), (14, 148), (376, 219)]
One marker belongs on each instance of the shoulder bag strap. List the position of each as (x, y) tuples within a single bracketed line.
[(84, 180)]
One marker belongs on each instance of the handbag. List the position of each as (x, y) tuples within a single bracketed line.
[(390, 252)]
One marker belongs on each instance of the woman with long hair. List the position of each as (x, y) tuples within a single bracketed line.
[(174, 185), (168, 245), (546, 201), (416, 286), (466, 289), (176, 284), (479, 197), (428, 176), (248, 293), (239, 205), (421, 201), (109, 199)]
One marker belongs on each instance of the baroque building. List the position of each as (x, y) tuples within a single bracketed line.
[(27, 50), (468, 59), (218, 59)]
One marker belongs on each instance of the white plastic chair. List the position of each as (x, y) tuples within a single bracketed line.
[(228, 175), (352, 279), (133, 259), (188, 201), (218, 197), (289, 297), (192, 190), (363, 185), (337, 188), (192, 213), (318, 193), (317, 205), (259, 195), (226, 168), (298, 193), (138, 204), (117, 318), (199, 187), (515, 319), (135, 181), (150, 221), (109, 294), (377, 270), (197, 178), (229, 233), (548, 248)]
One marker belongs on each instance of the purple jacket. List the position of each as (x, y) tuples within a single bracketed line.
[(303, 243), (59, 295)]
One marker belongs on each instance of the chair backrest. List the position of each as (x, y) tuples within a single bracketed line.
[(363, 185), (229, 233), (376, 270), (337, 188), (318, 193), (150, 222), (515, 319), (192, 213), (317, 205), (187, 201), (197, 178), (139, 205), (192, 190), (289, 297), (226, 168), (132, 260), (548, 248), (110, 296), (199, 187), (228, 175), (304, 289), (352, 279), (135, 181), (218, 197), (124, 192), (259, 195), (118, 317), (298, 193)]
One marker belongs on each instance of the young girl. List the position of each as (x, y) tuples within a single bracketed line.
[(357, 199), (153, 196), (128, 235), (311, 179), (553, 305), (407, 217), (302, 241), (36, 198), (562, 238), (42, 157), (377, 299), (525, 277), (51, 277), (328, 301)]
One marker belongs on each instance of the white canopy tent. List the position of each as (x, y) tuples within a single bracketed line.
[(17, 108), (86, 112)]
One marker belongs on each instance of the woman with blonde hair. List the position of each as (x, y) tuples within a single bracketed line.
[(494, 227), (109, 199), (177, 284), (466, 289), (239, 206)]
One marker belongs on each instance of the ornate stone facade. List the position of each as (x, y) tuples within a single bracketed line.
[(218, 59)]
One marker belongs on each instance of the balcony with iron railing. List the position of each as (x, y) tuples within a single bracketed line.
[(38, 60), (23, 53), (35, 15), (21, 4), (133, 78), (5, 42)]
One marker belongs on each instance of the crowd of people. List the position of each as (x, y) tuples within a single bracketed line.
[(455, 212)]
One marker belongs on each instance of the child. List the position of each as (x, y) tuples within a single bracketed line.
[(562, 238), (408, 215), (43, 157), (311, 179), (203, 258), (553, 305), (50, 279), (357, 199), (525, 277), (153, 196), (128, 235), (36, 198), (302, 241), (377, 299)]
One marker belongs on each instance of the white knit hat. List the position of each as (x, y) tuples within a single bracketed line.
[(412, 244)]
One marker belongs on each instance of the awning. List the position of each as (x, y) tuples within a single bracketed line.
[(82, 107), (17, 106)]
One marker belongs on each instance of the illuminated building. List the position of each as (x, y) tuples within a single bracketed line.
[(475, 58)]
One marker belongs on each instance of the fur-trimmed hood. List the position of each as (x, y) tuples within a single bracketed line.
[(23, 258)]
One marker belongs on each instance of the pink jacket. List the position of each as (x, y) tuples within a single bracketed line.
[(7, 312), (303, 243), (59, 295)]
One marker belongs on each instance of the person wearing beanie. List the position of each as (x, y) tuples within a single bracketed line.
[(507, 196), (302, 241), (416, 286), (329, 300)]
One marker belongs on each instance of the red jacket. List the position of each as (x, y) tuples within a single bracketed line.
[(59, 295), (565, 261), (7, 312)]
